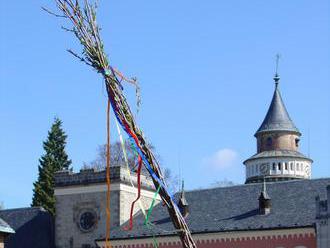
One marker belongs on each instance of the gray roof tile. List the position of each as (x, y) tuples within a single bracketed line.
[(4, 227), (278, 153), (236, 208), (277, 117), (33, 227)]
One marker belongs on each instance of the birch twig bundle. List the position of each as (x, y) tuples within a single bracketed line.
[(86, 30)]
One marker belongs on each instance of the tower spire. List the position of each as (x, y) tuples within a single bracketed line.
[(277, 77)]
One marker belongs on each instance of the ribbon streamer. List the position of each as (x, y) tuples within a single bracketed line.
[(127, 164), (107, 235), (146, 222), (139, 192)]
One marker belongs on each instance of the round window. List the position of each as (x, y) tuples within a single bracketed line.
[(87, 220)]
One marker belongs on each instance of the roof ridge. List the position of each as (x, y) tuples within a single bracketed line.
[(252, 184), (23, 208)]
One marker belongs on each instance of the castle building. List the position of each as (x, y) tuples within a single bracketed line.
[(279, 206)]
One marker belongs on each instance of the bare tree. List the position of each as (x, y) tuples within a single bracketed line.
[(117, 159), (223, 183), (116, 156), (172, 180)]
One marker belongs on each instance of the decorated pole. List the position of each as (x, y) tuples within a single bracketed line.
[(86, 30)]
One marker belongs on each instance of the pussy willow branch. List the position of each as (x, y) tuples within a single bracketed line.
[(87, 31)]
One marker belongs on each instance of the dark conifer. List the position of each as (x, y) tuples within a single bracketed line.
[(54, 159)]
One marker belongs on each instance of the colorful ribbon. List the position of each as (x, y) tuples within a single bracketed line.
[(139, 192), (139, 150), (127, 164), (146, 222)]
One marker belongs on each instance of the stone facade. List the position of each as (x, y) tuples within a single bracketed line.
[(322, 221), (81, 198)]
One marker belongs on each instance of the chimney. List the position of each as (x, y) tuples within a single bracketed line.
[(264, 201), (183, 204), (317, 202)]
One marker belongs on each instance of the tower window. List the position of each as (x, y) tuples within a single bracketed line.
[(269, 142), (286, 165), (297, 142), (297, 166), (279, 166), (274, 166)]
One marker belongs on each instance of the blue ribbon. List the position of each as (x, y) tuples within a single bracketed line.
[(145, 160)]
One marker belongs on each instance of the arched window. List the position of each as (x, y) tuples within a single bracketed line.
[(291, 166), (286, 165), (297, 166), (274, 166), (279, 166)]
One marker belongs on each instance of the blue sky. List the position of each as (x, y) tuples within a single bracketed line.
[(205, 70)]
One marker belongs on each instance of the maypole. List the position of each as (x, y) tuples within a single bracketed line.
[(87, 31)]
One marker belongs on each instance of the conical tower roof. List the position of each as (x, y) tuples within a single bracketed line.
[(277, 118)]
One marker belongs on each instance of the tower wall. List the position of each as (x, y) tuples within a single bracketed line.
[(277, 141), (277, 169)]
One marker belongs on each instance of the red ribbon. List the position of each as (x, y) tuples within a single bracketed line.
[(139, 193)]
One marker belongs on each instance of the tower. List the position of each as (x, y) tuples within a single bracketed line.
[(277, 156)]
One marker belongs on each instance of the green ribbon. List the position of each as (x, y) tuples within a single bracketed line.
[(146, 222)]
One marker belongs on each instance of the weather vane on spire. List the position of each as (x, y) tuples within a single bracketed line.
[(276, 77)]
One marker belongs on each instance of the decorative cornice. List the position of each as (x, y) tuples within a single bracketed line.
[(303, 234)]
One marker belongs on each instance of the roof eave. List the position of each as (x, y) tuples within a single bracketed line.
[(264, 131), (277, 156)]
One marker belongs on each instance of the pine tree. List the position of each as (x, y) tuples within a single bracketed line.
[(54, 159)]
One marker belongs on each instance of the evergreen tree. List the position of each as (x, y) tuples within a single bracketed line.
[(54, 159)]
